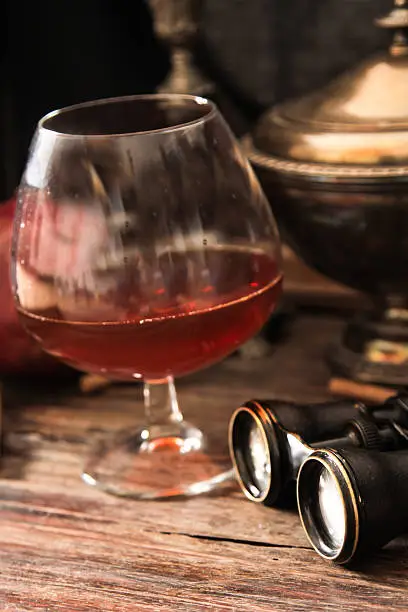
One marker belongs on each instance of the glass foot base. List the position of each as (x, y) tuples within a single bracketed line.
[(157, 462)]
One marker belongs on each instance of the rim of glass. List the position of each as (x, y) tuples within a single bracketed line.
[(199, 100)]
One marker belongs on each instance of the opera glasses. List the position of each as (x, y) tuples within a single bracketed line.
[(332, 451)]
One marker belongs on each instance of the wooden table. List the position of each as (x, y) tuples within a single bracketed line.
[(67, 547)]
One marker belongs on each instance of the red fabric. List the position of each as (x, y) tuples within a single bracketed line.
[(18, 352)]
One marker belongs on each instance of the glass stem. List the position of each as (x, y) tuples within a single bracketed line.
[(160, 400)]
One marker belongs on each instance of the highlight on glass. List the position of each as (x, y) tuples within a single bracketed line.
[(144, 249)]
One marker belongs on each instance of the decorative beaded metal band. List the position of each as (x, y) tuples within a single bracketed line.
[(320, 170)]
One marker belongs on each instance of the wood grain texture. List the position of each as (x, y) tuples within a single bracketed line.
[(67, 547)]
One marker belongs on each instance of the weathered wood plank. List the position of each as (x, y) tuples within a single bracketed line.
[(75, 567), (68, 548), (224, 517)]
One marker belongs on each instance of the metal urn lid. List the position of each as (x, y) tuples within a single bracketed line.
[(358, 124)]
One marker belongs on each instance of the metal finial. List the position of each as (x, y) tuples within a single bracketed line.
[(397, 19), (176, 23)]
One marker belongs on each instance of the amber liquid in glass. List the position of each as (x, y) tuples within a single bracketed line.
[(197, 309)]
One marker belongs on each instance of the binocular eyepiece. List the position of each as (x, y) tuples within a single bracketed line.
[(351, 501)]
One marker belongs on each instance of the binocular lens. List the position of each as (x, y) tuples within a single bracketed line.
[(331, 509), (259, 466), (251, 456), (327, 511)]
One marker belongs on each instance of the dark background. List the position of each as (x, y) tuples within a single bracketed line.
[(55, 53)]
